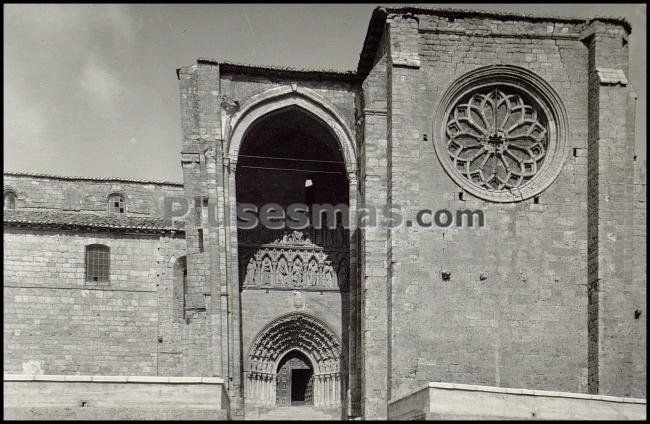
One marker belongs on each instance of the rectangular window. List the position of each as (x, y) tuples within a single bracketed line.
[(200, 240), (97, 263)]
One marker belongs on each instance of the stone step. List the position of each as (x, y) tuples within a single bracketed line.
[(297, 413)]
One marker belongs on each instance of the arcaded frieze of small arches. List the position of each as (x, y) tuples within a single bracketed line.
[(293, 260)]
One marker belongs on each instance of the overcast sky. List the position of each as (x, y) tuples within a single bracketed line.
[(91, 90)]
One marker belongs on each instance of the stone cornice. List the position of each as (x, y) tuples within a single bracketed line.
[(380, 14), (113, 379), (280, 71), (75, 220), (94, 179)]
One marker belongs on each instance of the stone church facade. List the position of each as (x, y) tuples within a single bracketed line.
[(529, 120)]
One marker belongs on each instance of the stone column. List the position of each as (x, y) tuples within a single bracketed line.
[(317, 390), (329, 390), (274, 386), (337, 390), (247, 387), (258, 390)]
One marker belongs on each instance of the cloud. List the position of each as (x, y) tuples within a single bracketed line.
[(118, 21), (53, 53), (63, 19), (100, 84), (25, 119)]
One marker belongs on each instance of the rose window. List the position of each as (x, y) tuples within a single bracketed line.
[(497, 139)]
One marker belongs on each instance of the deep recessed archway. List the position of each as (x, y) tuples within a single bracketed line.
[(290, 156), (285, 146)]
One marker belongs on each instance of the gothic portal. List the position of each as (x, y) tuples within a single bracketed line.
[(290, 156)]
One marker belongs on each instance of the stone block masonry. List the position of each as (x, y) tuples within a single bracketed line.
[(541, 310), (446, 401), (88, 327), (106, 397)]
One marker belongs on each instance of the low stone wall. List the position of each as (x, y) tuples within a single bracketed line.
[(77, 397), (440, 401)]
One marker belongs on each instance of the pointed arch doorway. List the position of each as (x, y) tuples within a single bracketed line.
[(295, 360)]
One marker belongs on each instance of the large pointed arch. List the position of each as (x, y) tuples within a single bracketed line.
[(295, 331), (281, 98), (324, 348)]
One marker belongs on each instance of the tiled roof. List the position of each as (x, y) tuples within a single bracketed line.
[(251, 69), (100, 179), (57, 218)]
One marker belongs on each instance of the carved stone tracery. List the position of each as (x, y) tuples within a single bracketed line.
[(503, 133), (294, 261), (496, 139)]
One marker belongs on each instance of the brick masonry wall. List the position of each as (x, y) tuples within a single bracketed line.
[(57, 323), (514, 311)]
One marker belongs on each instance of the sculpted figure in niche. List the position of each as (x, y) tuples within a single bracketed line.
[(267, 272), (250, 272), (283, 275), (312, 273), (329, 276), (297, 272)]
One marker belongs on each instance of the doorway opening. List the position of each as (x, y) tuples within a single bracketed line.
[(299, 383), (295, 380)]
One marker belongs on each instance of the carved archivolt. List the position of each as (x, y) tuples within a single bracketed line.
[(294, 332), (294, 261), (503, 133)]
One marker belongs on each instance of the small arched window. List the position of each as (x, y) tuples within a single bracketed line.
[(98, 261), (9, 200), (116, 205)]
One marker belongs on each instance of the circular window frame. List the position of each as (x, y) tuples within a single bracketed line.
[(532, 86)]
